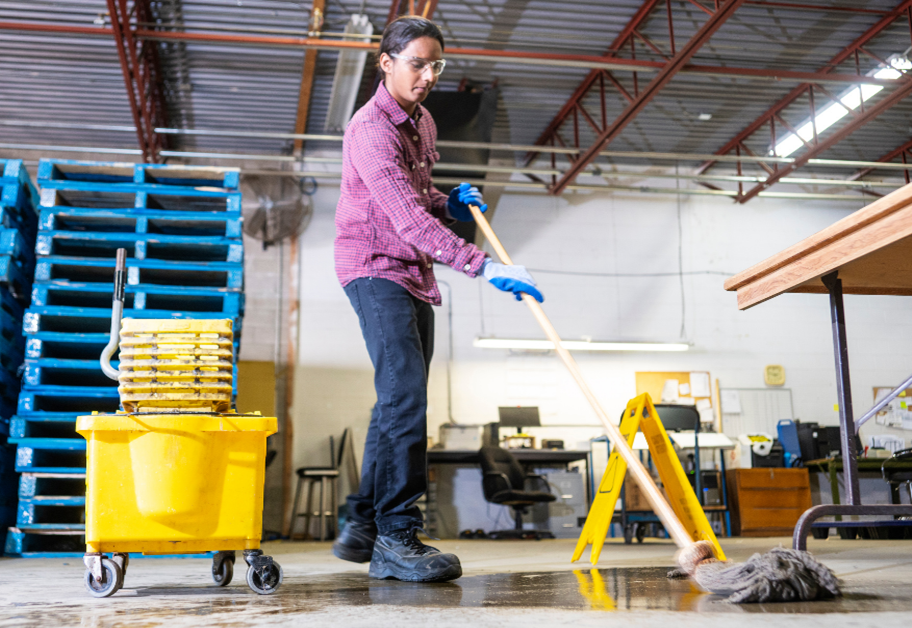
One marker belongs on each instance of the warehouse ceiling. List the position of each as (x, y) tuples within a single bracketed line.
[(713, 82)]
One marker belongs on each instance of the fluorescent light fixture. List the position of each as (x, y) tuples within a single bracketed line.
[(577, 345), (833, 112), (347, 81)]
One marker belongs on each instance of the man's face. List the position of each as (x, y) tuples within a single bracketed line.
[(409, 81)]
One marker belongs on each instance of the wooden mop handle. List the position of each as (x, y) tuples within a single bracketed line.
[(674, 527)]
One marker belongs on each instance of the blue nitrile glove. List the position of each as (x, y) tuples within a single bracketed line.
[(460, 197), (515, 279)]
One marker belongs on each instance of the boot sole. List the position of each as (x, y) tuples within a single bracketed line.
[(386, 573), (352, 555)]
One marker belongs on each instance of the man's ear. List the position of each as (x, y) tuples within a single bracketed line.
[(386, 63)]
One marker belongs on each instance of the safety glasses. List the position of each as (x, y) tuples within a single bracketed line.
[(419, 65)]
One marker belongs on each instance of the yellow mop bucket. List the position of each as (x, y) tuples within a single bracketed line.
[(178, 471)]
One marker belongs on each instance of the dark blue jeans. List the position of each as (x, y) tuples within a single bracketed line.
[(399, 332)]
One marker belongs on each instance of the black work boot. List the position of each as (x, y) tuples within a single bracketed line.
[(356, 542), (400, 555)]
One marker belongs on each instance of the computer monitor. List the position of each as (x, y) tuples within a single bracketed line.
[(519, 417)]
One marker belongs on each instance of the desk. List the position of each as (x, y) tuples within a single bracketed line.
[(867, 252), (831, 466), (530, 457)]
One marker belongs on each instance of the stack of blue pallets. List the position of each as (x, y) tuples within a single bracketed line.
[(18, 225), (181, 227)]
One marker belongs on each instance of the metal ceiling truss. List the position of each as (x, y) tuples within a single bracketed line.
[(142, 75), (627, 42), (904, 153), (812, 95)]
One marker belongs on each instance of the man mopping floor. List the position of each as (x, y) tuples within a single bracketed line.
[(389, 232)]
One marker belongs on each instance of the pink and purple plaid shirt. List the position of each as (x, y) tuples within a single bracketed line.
[(388, 220)]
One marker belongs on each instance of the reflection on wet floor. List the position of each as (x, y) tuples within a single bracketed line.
[(601, 590)]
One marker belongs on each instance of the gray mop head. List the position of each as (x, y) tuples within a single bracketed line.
[(780, 575)]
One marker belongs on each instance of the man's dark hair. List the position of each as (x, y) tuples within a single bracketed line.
[(402, 31)]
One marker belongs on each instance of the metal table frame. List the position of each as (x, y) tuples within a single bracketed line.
[(849, 428)]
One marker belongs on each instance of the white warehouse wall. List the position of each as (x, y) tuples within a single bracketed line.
[(601, 234)]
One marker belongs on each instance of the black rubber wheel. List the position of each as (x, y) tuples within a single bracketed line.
[(848, 533), (113, 580), (640, 533), (223, 572), (628, 533), (820, 533), (271, 583)]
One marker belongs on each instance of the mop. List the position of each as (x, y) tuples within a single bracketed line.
[(781, 575)]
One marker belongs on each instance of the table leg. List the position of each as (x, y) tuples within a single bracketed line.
[(843, 388), (834, 484)]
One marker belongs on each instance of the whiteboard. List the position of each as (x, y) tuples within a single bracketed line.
[(761, 410)]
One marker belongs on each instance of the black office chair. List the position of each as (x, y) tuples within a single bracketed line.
[(896, 475), (504, 482)]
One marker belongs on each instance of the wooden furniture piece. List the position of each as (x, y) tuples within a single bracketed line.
[(768, 501), (867, 252)]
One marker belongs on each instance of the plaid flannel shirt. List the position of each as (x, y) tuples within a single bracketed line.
[(389, 216)]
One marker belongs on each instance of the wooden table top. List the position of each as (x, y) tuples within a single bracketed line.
[(871, 249)]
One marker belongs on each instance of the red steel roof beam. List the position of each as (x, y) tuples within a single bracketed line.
[(797, 91), (686, 52), (893, 154), (626, 33), (872, 112), (142, 79)]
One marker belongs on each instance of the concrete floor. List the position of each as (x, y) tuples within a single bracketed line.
[(506, 584)]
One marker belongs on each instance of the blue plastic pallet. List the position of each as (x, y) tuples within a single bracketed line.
[(141, 297), (9, 391), (43, 425), (51, 455), (140, 246), (14, 279), (11, 356), (66, 399), (45, 543), (20, 197), (196, 274), (49, 318), (9, 306), (13, 244), (129, 198), (47, 512), (32, 485), (70, 373), (73, 346), (227, 224), (66, 543), (26, 222), (53, 172), (76, 346), (11, 330), (13, 171)]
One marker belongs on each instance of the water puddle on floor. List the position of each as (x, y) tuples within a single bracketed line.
[(597, 590)]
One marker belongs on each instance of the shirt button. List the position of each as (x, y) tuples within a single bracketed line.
[(413, 166), (422, 164), (415, 137), (430, 265), (424, 191), (438, 253), (467, 267)]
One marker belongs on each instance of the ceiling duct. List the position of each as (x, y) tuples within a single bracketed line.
[(464, 116)]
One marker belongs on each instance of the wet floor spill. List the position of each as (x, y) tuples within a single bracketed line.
[(600, 590)]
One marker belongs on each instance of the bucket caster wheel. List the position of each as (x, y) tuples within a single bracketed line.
[(223, 568), (264, 575), (110, 581)]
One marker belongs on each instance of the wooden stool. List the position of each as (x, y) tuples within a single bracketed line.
[(328, 479)]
